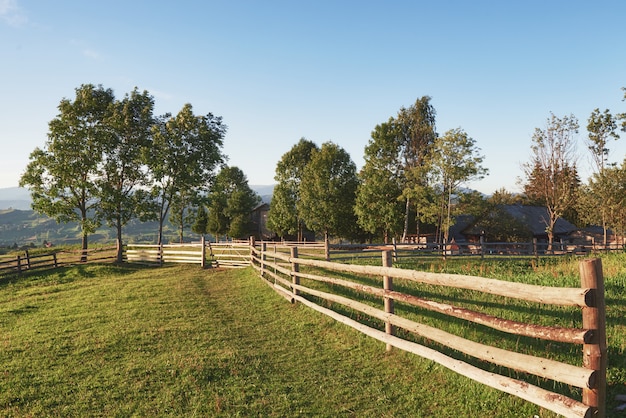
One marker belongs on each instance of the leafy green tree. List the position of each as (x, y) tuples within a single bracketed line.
[(454, 160), (328, 192), (504, 197), (185, 153), (231, 204), (551, 175), (62, 177), (122, 178), (378, 199), (415, 127), (601, 128), (201, 222), (283, 217)]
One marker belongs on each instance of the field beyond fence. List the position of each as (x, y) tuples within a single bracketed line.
[(329, 291)]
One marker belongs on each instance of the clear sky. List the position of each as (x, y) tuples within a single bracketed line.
[(326, 70)]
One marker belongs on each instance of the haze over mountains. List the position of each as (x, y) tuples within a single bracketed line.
[(19, 198), (15, 198)]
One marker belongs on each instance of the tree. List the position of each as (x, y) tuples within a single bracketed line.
[(378, 199), (416, 132), (186, 151), (62, 177), (231, 204), (283, 217), (201, 222), (454, 160), (601, 127), (603, 200), (504, 197), (551, 175), (327, 192), (122, 177)]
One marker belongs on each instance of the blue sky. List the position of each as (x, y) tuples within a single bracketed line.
[(277, 71)]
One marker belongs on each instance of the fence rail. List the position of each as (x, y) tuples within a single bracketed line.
[(25, 262), (282, 272)]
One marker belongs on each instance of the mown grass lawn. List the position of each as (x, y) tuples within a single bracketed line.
[(100, 340)]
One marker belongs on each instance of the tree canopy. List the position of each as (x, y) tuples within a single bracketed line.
[(327, 192), (231, 202), (62, 176), (103, 157), (284, 217), (186, 151)]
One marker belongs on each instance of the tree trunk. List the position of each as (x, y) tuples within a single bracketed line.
[(120, 246), (160, 237), (83, 256), (85, 243), (406, 219)]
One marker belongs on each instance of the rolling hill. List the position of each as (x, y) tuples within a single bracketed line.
[(19, 225)]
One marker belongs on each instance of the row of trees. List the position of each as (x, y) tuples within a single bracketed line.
[(109, 160), (413, 176), (410, 174), (552, 174)]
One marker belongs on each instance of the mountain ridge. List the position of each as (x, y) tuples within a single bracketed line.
[(19, 197)]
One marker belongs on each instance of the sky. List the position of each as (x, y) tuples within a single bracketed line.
[(325, 70)]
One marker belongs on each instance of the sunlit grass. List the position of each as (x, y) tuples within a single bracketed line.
[(102, 340)]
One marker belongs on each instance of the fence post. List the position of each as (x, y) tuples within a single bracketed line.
[(295, 268), (594, 318), (535, 249), (482, 246), (252, 240), (326, 248), (388, 286), (160, 255), (263, 257), (19, 264), (203, 260), (54, 257), (27, 259)]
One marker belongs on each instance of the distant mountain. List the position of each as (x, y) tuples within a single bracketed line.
[(15, 198), (19, 197), (265, 191)]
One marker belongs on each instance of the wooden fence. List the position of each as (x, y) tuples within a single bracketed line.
[(283, 273), (25, 262), (222, 254), (170, 253)]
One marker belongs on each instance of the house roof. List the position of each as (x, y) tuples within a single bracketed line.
[(535, 218)]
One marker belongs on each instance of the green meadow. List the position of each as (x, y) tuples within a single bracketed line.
[(105, 340)]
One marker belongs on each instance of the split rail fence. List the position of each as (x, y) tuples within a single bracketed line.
[(285, 271), (26, 262), (223, 254)]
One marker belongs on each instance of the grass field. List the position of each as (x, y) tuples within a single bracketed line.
[(100, 340)]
